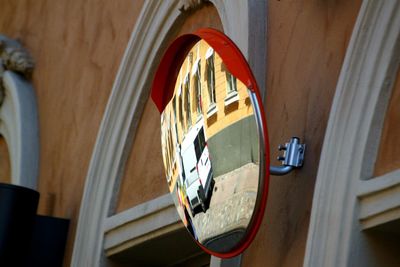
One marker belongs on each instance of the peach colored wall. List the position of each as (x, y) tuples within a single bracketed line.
[(77, 46), (307, 41), (225, 118), (224, 115), (5, 167), (144, 177), (388, 155)]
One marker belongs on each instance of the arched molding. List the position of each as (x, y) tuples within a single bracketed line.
[(351, 142), (185, 5), (18, 113), (126, 103)]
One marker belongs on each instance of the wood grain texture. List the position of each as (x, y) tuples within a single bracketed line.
[(389, 150), (77, 46), (5, 165), (144, 175), (307, 41)]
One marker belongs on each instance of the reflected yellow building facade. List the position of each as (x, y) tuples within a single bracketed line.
[(204, 90)]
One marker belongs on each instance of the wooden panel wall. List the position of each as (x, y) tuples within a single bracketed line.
[(307, 41), (388, 158), (144, 177), (5, 167), (78, 46)]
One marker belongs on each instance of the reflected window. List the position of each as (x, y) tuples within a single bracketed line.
[(174, 103), (231, 89), (181, 107), (231, 83), (197, 86), (200, 144), (170, 148), (210, 72), (164, 142), (187, 102), (174, 109)]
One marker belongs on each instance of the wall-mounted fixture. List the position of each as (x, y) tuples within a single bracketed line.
[(214, 141), (293, 157)]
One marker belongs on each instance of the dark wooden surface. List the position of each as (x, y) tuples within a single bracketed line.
[(388, 158), (77, 46), (307, 41), (144, 176), (5, 167)]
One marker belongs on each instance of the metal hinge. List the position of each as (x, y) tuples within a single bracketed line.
[(293, 157)]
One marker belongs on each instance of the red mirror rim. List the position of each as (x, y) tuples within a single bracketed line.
[(163, 87)]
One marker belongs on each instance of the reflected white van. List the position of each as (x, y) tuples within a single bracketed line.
[(197, 170)]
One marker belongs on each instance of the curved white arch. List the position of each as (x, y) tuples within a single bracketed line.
[(19, 127), (352, 139), (129, 94)]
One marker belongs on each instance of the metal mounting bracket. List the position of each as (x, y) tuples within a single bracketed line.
[(293, 157)]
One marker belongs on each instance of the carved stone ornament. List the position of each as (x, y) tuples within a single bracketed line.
[(186, 5), (18, 112), (13, 57)]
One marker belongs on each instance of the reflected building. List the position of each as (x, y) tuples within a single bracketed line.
[(327, 71), (207, 96), (206, 90)]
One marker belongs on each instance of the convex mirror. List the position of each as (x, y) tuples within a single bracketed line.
[(214, 140)]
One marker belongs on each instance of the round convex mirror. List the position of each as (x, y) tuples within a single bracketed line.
[(214, 140)]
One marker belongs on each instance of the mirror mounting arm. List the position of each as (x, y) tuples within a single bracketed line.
[(293, 157)]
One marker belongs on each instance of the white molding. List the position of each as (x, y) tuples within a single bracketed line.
[(19, 127), (232, 262), (123, 111), (129, 94), (140, 224), (379, 200), (232, 97), (185, 5), (238, 32), (353, 134)]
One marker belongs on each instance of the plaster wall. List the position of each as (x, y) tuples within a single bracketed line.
[(307, 41), (77, 46), (145, 157), (388, 159), (5, 167)]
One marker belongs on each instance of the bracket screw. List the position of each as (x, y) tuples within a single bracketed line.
[(280, 158), (282, 147)]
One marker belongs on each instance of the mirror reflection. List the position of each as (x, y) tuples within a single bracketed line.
[(210, 147)]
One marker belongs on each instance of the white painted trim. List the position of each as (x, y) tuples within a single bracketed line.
[(129, 94), (379, 200), (195, 66), (212, 109), (124, 108), (353, 134), (19, 127), (232, 262), (380, 183), (232, 97), (209, 53), (141, 223)]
